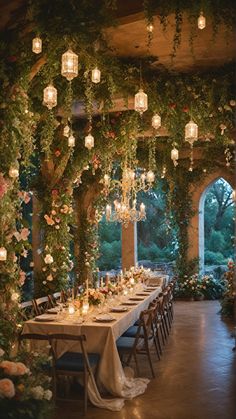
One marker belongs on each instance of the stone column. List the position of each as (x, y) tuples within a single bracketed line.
[(129, 245)]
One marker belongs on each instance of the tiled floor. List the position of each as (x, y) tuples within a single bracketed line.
[(196, 377)]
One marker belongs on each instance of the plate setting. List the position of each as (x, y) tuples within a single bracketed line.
[(119, 309), (136, 299), (104, 318), (45, 318)]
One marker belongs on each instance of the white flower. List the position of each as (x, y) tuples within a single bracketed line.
[(37, 392), (47, 394), (48, 259), (232, 103)]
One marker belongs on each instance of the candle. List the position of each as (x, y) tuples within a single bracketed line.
[(125, 292), (102, 283), (71, 309), (85, 307), (107, 279), (3, 254), (131, 280)]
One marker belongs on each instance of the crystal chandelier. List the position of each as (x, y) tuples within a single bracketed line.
[(125, 211)]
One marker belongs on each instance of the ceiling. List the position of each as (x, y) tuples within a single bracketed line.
[(129, 39)]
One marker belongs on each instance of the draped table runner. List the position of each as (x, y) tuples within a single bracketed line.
[(101, 338)]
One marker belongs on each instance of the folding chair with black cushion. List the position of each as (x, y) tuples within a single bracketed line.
[(40, 305), (27, 310), (139, 344), (73, 363)]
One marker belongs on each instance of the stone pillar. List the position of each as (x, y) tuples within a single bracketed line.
[(129, 245)]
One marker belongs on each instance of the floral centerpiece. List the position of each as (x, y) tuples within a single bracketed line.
[(24, 387), (94, 295), (227, 302)]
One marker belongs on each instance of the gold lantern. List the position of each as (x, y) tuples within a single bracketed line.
[(69, 65), (156, 121), (71, 140), (191, 132), (50, 96), (175, 156), (150, 176), (96, 75), (37, 45), (141, 101), (201, 22), (13, 172), (89, 141), (150, 27), (3, 254)]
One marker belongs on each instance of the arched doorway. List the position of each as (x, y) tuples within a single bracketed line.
[(215, 224)]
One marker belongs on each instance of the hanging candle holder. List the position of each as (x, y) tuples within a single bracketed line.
[(174, 155), (50, 96), (69, 65), (201, 22), (37, 45), (71, 140), (191, 132), (96, 75), (89, 141), (156, 121), (141, 102)]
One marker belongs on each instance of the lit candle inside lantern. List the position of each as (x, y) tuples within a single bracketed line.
[(96, 75), (3, 254), (85, 307), (201, 22), (125, 292), (37, 45), (71, 141), (71, 309), (131, 280)]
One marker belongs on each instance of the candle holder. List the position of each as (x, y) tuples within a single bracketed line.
[(71, 309), (85, 307)]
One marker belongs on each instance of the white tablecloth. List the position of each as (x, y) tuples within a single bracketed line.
[(101, 338)]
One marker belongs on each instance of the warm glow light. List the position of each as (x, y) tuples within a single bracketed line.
[(106, 179), (108, 211), (50, 96), (69, 65), (89, 141), (96, 75), (156, 121), (13, 172), (150, 27), (71, 309), (3, 254), (201, 22), (66, 131), (150, 176), (140, 101), (71, 141), (131, 280), (175, 156), (37, 45), (191, 132), (85, 307)]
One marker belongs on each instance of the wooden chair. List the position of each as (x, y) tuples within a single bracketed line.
[(54, 298), (40, 305), (27, 310), (139, 344), (73, 363)]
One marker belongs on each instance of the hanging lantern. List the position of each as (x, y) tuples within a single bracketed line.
[(106, 180), (13, 172), (201, 22), (150, 27), (140, 101), (71, 141), (37, 45), (69, 65), (96, 75), (150, 176), (50, 96), (108, 212), (3, 254), (66, 131), (156, 121), (191, 132), (174, 156), (89, 141)]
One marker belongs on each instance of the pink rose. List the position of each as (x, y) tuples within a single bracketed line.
[(22, 278), (9, 367), (7, 388)]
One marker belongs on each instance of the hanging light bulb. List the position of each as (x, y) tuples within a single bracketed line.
[(13, 172), (89, 141), (150, 176), (3, 254), (37, 45), (201, 22), (175, 156), (141, 101), (96, 75), (69, 65), (191, 132), (150, 27), (156, 121), (71, 140), (50, 96)]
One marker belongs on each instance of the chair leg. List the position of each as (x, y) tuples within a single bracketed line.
[(136, 363), (85, 391), (149, 358)]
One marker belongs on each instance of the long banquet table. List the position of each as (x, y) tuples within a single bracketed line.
[(101, 338)]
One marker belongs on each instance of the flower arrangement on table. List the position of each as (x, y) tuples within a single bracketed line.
[(24, 386), (227, 302), (94, 296)]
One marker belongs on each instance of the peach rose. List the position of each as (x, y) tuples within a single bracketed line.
[(21, 368), (9, 367), (7, 388)]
